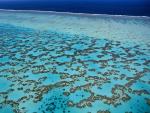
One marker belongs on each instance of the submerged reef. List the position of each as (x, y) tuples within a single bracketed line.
[(52, 72)]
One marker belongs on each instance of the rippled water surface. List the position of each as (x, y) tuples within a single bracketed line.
[(55, 63)]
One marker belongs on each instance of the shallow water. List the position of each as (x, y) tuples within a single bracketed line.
[(57, 64)]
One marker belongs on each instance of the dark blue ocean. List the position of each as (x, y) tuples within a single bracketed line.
[(119, 7)]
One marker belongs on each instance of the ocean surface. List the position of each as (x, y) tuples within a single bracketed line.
[(113, 7), (52, 62)]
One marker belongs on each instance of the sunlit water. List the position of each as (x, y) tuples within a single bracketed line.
[(74, 63)]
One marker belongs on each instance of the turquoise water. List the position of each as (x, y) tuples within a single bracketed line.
[(48, 71)]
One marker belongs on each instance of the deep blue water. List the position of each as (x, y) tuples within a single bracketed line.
[(120, 7)]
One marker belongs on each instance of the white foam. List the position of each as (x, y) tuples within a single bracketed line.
[(72, 13)]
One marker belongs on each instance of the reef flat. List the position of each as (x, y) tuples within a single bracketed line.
[(45, 71)]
